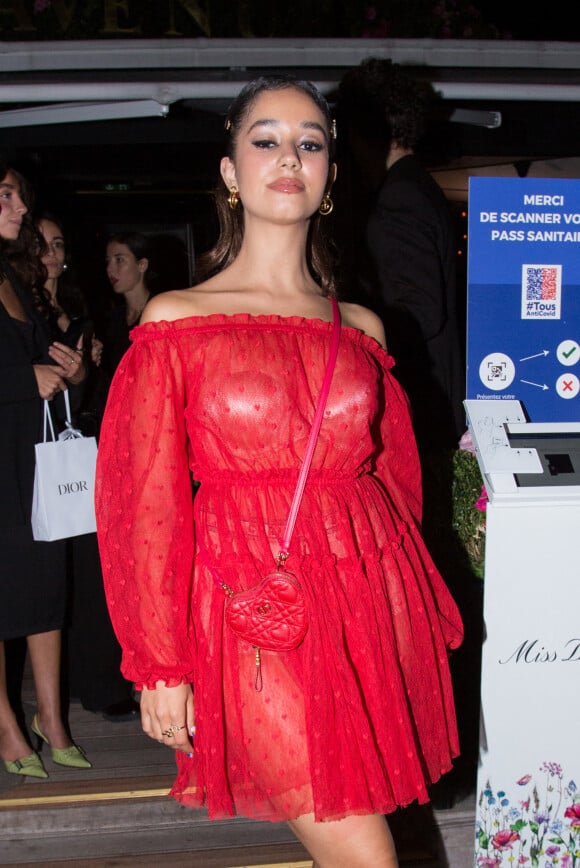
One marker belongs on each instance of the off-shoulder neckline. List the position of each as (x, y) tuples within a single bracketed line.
[(209, 321)]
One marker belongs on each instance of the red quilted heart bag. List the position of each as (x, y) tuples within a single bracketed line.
[(271, 615)]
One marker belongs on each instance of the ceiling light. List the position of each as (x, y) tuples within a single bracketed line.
[(67, 113)]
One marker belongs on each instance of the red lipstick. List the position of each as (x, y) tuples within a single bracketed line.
[(287, 185)]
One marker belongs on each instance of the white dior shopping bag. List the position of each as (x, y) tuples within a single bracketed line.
[(64, 482)]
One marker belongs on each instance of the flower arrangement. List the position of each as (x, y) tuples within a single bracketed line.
[(454, 506), (438, 19), (542, 830), (469, 499)]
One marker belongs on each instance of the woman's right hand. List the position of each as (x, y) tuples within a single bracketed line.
[(167, 715), (49, 381)]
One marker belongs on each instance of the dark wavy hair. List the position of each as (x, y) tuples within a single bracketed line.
[(69, 297), (384, 103), (320, 249), (22, 254)]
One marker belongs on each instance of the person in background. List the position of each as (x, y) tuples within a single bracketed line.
[(128, 262), (92, 652), (68, 307), (406, 268), (221, 383), (407, 258), (32, 574)]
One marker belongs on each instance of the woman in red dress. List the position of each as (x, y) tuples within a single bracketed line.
[(220, 386)]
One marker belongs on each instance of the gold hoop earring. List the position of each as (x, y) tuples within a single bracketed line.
[(233, 198), (326, 205)]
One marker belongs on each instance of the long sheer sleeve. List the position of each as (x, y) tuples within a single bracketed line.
[(143, 502), (398, 461), (399, 469)]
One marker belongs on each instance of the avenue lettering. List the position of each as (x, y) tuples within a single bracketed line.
[(72, 487), (116, 17), (532, 651)]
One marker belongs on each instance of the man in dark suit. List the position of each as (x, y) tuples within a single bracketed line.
[(407, 266), (396, 234)]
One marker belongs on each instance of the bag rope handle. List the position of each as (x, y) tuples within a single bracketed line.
[(69, 432)]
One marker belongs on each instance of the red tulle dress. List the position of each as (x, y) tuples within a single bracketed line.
[(360, 718)]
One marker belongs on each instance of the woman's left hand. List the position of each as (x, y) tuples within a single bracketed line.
[(168, 715), (69, 360)]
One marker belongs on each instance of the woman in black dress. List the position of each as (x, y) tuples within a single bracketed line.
[(92, 655), (32, 574), (68, 310)]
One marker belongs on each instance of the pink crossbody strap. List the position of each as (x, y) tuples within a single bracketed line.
[(295, 505)]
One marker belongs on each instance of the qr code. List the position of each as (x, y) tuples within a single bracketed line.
[(541, 291), (542, 282), (497, 371)]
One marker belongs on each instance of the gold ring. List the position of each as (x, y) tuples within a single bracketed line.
[(171, 730)]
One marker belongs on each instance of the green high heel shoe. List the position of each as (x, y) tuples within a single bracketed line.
[(30, 765), (73, 756)]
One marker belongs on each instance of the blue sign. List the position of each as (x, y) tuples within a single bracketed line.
[(523, 306)]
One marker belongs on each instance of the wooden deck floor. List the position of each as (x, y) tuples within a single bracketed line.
[(118, 814)]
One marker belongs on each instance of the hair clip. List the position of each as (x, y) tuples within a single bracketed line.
[(333, 129), (228, 124)]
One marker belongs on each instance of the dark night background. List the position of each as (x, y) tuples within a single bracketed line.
[(158, 174)]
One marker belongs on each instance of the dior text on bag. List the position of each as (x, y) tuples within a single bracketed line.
[(64, 482), (272, 616)]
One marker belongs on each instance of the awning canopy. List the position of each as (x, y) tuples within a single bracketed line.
[(509, 100)]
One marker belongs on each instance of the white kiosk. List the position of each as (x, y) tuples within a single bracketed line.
[(528, 793)]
